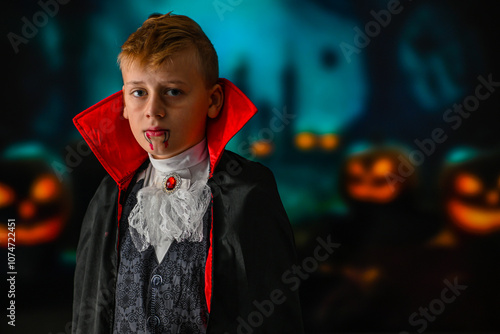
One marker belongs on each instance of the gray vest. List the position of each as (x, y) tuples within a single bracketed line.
[(166, 297)]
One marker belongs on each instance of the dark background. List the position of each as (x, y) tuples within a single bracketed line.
[(354, 118)]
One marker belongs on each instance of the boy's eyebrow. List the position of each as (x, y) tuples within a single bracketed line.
[(140, 82), (134, 82)]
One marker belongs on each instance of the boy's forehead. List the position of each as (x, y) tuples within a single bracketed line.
[(181, 66)]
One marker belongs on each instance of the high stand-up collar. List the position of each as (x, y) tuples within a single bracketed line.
[(110, 138)]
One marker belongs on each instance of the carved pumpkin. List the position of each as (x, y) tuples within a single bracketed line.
[(472, 194), (31, 193), (373, 176)]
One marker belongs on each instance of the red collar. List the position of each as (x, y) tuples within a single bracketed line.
[(103, 128)]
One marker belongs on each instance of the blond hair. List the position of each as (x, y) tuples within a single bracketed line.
[(162, 36)]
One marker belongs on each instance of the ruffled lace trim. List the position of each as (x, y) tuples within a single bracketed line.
[(159, 217)]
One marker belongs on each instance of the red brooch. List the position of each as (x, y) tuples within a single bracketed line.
[(171, 183)]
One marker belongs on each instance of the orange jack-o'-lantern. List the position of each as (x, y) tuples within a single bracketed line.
[(472, 194), (32, 195), (374, 175)]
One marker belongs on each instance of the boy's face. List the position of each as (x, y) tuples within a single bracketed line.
[(168, 107)]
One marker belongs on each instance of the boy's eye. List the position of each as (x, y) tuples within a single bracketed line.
[(139, 93), (173, 92)]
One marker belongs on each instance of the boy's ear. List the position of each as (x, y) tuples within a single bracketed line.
[(125, 114), (216, 100)]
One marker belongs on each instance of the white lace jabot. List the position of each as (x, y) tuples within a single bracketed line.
[(159, 217)]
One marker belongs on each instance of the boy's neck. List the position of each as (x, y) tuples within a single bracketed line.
[(186, 159)]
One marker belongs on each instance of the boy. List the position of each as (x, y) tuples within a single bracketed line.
[(182, 236)]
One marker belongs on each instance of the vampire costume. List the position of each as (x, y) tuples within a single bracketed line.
[(243, 260)]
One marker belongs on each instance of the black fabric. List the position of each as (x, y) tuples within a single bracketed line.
[(253, 254), (165, 297), (96, 263)]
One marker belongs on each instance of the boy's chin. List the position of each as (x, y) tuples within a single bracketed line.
[(158, 153), (157, 150), (162, 156)]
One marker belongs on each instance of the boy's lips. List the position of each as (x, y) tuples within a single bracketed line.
[(157, 133)]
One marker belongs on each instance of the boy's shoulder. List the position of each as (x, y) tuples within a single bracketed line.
[(105, 194)]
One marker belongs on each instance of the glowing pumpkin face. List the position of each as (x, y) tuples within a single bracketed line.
[(473, 196), (31, 194), (372, 177)]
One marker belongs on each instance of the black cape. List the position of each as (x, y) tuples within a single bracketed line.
[(253, 290)]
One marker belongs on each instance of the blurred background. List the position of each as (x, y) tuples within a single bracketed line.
[(379, 120)]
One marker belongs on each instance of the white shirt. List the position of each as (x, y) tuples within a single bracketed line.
[(191, 165)]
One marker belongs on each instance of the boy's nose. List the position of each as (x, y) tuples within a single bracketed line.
[(155, 108)]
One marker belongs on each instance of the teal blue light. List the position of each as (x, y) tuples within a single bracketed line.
[(461, 154), (68, 257), (24, 150), (51, 41), (358, 148)]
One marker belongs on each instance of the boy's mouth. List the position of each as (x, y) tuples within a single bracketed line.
[(156, 137)]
